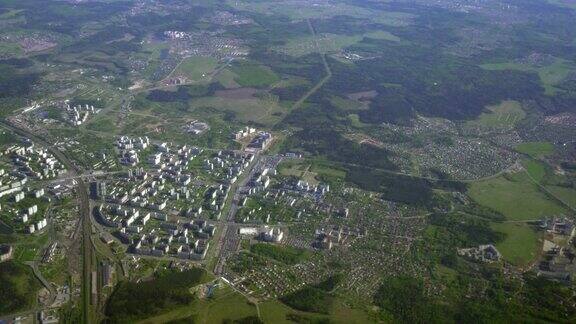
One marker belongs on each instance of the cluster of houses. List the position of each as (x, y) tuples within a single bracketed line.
[(558, 226), (28, 215), (260, 142), (243, 133), (265, 233), (160, 207), (227, 18), (260, 180), (33, 162), (205, 43), (130, 147), (78, 115), (186, 241), (156, 234), (175, 34), (23, 210), (264, 186), (557, 260), (325, 238), (196, 127), (170, 178), (38, 226), (304, 188), (483, 253), (228, 165)]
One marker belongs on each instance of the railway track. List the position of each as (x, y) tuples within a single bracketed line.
[(82, 192)]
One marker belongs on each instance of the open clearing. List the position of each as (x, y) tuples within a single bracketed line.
[(516, 197), (536, 149), (196, 68), (567, 195), (276, 312), (258, 110), (521, 244), (520, 201), (240, 93), (537, 170), (225, 304), (310, 170), (254, 75), (10, 49), (227, 79), (550, 75), (296, 10), (502, 116), (301, 171)]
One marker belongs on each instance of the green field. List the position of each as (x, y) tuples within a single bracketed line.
[(6, 137), (537, 170), (516, 197), (104, 124), (227, 304), (10, 49), (254, 75), (196, 68), (301, 171), (346, 104), (94, 59), (29, 246), (502, 116), (567, 195), (520, 201), (276, 312), (535, 149), (310, 171), (300, 10), (328, 171), (258, 110), (550, 75), (227, 79), (521, 244)]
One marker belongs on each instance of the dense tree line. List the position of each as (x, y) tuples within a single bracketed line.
[(329, 143), (183, 93), (131, 301), (310, 299), (406, 300), (17, 287), (14, 83)]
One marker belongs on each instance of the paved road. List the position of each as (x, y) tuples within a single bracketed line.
[(229, 239), (320, 83)]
